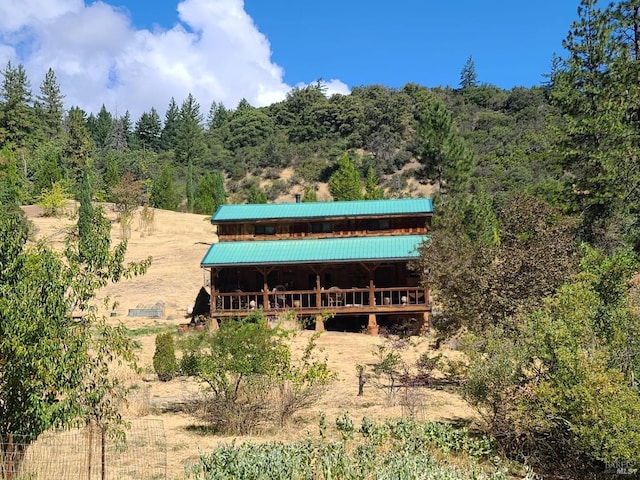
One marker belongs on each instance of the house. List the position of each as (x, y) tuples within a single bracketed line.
[(344, 260)]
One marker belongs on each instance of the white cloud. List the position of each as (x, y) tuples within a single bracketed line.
[(215, 52), (335, 86)]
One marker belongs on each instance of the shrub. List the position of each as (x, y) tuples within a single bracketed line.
[(248, 370), (164, 358), (189, 364), (53, 199)]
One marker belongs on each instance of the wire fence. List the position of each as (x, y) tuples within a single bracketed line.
[(88, 454)]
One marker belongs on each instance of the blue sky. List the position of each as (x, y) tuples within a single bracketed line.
[(136, 54), (421, 41)]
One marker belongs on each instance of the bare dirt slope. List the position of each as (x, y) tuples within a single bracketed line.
[(177, 245)]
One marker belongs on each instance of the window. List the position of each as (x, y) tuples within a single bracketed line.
[(265, 229), (321, 227), (378, 224)]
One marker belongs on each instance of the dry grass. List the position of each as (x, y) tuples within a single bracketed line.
[(177, 242)]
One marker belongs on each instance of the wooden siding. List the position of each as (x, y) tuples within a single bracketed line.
[(338, 228)]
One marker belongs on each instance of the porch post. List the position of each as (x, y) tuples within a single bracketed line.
[(212, 287), (265, 292), (319, 323), (373, 324), (318, 295), (372, 291), (426, 327)]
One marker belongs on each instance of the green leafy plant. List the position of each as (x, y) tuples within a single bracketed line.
[(345, 426), (394, 449), (53, 199), (164, 357), (56, 353)]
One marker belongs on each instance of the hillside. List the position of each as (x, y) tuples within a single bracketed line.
[(177, 244)]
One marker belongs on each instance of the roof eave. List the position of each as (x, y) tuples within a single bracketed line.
[(293, 262)]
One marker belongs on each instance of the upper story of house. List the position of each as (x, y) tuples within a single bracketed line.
[(271, 221)]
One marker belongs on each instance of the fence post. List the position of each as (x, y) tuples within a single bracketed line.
[(103, 474), (10, 457)]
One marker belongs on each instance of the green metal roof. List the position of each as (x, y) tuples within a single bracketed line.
[(317, 250), (310, 210)]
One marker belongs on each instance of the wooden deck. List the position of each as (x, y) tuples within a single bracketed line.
[(336, 301)]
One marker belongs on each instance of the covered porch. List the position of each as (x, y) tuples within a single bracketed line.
[(316, 279)]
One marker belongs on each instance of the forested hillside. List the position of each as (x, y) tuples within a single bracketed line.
[(533, 258)]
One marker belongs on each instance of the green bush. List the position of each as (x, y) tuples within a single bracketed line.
[(53, 199), (164, 358), (189, 364), (250, 375)]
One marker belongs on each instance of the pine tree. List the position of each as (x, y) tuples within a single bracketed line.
[(189, 139), (16, 113), (162, 191), (210, 194), (597, 90), (78, 146), (468, 77), (11, 191), (85, 218), (219, 193), (111, 174), (118, 136), (255, 194), (441, 151), (102, 127), (148, 130), (345, 182), (168, 135), (309, 194), (372, 188), (49, 106), (48, 167), (189, 188)]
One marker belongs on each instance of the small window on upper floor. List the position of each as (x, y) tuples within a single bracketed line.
[(378, 224), (321, 227), (265, 229)]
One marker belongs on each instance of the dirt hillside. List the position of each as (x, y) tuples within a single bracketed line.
[(177, 244)]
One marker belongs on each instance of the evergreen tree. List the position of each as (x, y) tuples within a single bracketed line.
[(78, 146), (170, 128), (118, 140), (111, 174), (11, 191), (16, 113), (85, 218), (345, 182), (49, 106), (372, 188), (309, 194), (48, 167), (255, 194), (441, 151), (189, 139), (189, 188), (219, 192), (217, 116), (148, 130), (163, 194), (210, 194), (127, 127), (102, 128), (468, 77), (597, 89)]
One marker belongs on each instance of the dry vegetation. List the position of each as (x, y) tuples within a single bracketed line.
[(177, 244)]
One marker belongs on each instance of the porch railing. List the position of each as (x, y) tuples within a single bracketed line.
[(335, 299)]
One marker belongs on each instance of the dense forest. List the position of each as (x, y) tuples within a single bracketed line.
[(533, 259)]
